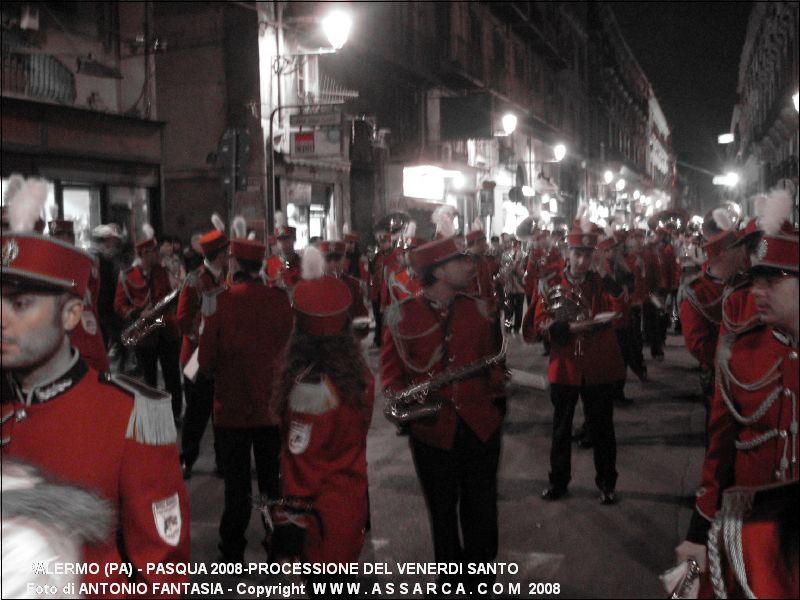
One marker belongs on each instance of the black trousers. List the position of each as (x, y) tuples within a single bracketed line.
[(656, 323), (167, 353), (376, 312), (461, 484), (514, 306), (598, 406), (630, 341), (235, 446), (199, 404)]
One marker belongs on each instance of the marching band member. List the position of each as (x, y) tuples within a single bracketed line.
[(333, 252), (701, 309), (109, 434), (456, 452), (283, 269), (138, 290), (240, 348), (197, 301), (585, 361), (512, 270), (753, 436), (325, 404), (376, 284)]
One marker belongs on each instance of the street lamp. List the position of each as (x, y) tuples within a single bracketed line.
[(559, 152), (509, 123), (725, 138), (636, 194), (620, 184), (336, 26), (796, 100), (608, 177)]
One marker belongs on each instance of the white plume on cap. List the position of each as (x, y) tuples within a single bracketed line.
[(15, 182), (345, 229), (313, 265), (26, 200), (251, 236), (582, 217), (410, 230), (53, 212), (759, 202), (443, 218), (722, 219), (777, 209), (148, 231), (218, 222), (280, 219), (477, 225), (239, 227)]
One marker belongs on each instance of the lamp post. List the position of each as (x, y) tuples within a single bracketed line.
[(336, 26)]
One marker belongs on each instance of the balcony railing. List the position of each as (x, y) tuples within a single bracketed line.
[(38, 76)]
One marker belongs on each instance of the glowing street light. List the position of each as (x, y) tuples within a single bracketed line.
[(608, 177), (559, 152), (337, 28), (509, 123), (620, 184), (730, 179), (636, 194), (796, 100), (725, 138)]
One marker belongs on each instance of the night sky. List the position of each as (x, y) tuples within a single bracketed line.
[(690, 52)]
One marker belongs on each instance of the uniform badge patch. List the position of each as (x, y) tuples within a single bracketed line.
[(89, 322), (167, 516), (761, 252), (10, 252), (299, 436)]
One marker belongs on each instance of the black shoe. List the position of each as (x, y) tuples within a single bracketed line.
[(608, 498), (585, 443), (642, 375), (554, 493), (186, 470), (219, 472), (579, 433)]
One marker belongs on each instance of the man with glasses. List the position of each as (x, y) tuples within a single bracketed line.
[(753, 437)]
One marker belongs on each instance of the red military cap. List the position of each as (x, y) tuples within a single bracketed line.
[(248, 250), (59, 226), (434, 253), (475, 236), (779, 251), (284, 231), (577, 238), (329, 247), (32, 258), (144, 245), (213, 241), (608, 243), (321, 305), (718, 232), (351, 237), (414, 242)]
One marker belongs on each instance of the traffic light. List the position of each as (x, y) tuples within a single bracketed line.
[(233, 151)]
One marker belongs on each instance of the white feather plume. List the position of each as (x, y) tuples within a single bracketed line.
[(148, 231), (722, 219), (53, 212), (777, 209), (582, 217), (280, 219), (25, 205), (443, 218), (346, 229), (251, 236), (218, 222), (15, 183), (313, 265), (477, 225), (410, 230), (239, 227)]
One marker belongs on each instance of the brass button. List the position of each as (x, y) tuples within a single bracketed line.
[(793, 355), (787, 392)]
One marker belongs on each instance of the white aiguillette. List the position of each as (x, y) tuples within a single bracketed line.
[(605, 317)]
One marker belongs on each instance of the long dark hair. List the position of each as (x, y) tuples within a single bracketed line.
[(337, 356)]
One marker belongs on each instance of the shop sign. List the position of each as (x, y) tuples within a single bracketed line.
[(317, 143)]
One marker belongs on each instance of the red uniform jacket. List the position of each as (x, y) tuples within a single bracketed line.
[(135, 292), (637, 266), (739, 311), (198, 283), (241, 347), (654, 274), (357, 308), (283, 273), (392, 263), (532, 270), (118, 443), (670, 271), (701, 313), (483, 284), (422, 340), (324, 462), (588, 359), (753, 439)]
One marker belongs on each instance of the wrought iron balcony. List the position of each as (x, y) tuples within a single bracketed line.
[(37, 76)]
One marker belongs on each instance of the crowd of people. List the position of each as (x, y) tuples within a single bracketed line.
[(266, 344)]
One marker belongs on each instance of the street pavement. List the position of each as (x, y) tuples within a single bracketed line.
[(589, 550)]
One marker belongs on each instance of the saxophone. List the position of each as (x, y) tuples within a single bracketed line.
[(134, 334), (412, 403)]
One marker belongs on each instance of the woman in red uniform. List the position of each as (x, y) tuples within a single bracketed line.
[(325, 405)]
